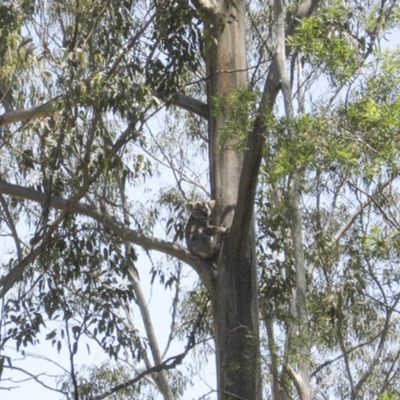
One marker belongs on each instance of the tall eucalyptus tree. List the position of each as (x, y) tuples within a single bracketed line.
[(307, 188)]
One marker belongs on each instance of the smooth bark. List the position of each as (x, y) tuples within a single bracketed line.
[(235, 306)]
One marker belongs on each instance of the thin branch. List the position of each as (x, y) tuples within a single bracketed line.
[(391, 221), (11, 225), (94, 24), (347, 352), (71, 361), (390, 375), (35, 378), (134, 366), (175, 302), (359, 210), (379, 349), (130, 327), (128, 47), (168, 364), (47, 359), (333, 207), (5, 98), (169, 164)]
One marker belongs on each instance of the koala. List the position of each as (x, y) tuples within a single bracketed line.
[(199, 233)]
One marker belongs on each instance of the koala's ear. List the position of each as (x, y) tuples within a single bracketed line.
[(189, 206), (211, 203)]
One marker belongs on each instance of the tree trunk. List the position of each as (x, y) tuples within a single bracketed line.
[(235, 301)]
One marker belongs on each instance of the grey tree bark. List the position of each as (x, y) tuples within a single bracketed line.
[(233, 173), (235, 300)]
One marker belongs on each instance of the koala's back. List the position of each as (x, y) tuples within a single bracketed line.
[(198, 239)]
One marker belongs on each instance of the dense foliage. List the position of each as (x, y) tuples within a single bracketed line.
[(103, 139)]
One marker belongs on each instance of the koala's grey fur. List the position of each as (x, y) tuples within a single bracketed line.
[(199, 233)]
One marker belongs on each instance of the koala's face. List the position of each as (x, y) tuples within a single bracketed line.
[(201, 209)]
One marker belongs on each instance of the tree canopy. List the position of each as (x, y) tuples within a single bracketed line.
[(115, 114)]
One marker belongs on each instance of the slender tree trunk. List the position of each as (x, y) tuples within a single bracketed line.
[(235, 301), (299, 334), (299, 327), (278, 390), (160, 378)]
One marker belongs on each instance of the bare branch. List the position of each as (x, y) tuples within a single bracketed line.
[(190, 104), (30, 114), (126, 234), (160, 379), (128, 323)]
